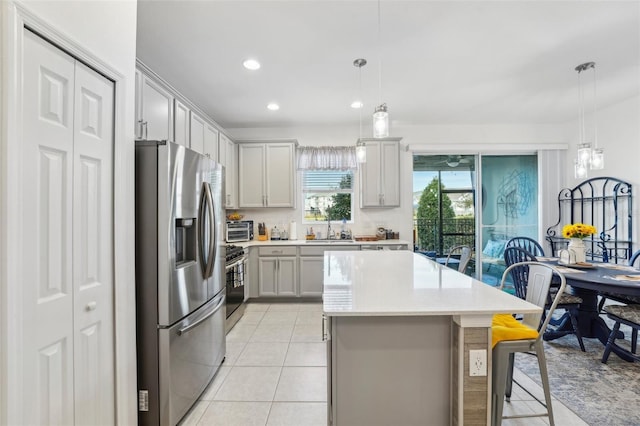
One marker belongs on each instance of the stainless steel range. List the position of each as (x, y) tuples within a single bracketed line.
[(235, 266)]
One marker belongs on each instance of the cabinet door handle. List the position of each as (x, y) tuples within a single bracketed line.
[(139, 132), (326, 336), (146, 129)]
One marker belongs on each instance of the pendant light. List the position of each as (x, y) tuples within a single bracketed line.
[(380, 114), (587, 157), (361, 149)]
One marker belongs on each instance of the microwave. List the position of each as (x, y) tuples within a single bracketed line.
[(239, 230)]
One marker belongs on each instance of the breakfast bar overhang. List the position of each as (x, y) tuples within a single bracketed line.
[(399, 329)]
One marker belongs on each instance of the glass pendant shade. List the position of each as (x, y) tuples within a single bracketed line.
[(597, 159), (579, 170), (381, 122), (361, 152), (587, 158), (584, 153)]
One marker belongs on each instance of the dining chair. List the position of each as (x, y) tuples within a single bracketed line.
[(635, 262), (528, 244), (568, 302), (511, 338), (628, 314), (465, 256)]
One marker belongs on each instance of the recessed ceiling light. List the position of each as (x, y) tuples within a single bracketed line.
[(251, 64), (273, 106), (357, 104)]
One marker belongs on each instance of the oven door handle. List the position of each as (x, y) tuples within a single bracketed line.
[(196, 323), (236, 263)]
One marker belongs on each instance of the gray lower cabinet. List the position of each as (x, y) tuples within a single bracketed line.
[(311, 266), (311, 275), (296, 271), (277, 271)]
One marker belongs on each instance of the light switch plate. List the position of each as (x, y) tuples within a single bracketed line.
[(478, 362)]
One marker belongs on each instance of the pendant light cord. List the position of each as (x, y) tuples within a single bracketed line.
[(379, 60), (595, 119), (581, 132), (361, 102)]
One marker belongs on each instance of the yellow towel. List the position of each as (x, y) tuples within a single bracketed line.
[(506, 327)]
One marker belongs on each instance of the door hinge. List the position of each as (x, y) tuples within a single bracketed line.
[(143, 400)]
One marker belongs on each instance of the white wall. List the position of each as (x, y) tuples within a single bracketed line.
[(420, 139), (107, 31)]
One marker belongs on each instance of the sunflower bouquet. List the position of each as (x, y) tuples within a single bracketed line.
[(578, 230)]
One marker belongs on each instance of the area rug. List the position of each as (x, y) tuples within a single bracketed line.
[(600, 394)]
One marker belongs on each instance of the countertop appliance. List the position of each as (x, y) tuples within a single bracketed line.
[(239, 230), (235, 267), (180, 293)]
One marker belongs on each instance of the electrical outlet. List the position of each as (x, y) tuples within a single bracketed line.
[(478, 362)]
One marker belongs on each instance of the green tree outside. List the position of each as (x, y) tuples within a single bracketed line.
[(429, 216), (341, 203)]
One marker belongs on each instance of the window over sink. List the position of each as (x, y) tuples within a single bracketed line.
[(327, 194)]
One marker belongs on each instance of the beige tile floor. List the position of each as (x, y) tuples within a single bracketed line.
[(275, 374)]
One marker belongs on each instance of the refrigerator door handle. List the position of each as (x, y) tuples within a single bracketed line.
[(213, 237), (196, 323), (205, 205)]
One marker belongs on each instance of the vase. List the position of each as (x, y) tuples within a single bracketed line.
[(576, 245)]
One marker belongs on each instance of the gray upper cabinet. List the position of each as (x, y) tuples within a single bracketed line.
[(196, 131), (380, 175), (211, 142), (155, 119), (181, 124), (228, 157), (266, 175), (162, 113)]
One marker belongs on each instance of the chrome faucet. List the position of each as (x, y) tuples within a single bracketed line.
[(328, 223)]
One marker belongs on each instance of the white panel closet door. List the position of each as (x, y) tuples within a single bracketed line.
[(68, 348), (47, 163), (93, 249)]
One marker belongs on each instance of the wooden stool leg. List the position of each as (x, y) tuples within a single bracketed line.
[(612, 337)]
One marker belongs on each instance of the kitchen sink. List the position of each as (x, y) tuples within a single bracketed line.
[(331, 241)]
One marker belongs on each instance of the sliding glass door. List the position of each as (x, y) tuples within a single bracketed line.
[(509, 207), (444, 203), (480, 201)]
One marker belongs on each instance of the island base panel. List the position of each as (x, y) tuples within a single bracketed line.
[(390, 370)]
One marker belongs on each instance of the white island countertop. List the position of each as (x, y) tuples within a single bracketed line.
[(400, 283)]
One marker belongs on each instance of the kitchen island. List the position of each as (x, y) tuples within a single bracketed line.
[(399, 328)]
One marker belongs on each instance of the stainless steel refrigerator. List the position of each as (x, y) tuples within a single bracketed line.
[(180, 292)]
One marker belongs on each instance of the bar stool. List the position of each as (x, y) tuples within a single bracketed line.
[(465, 257), (510, 336)]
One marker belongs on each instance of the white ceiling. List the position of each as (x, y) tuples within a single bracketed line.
[(443, 62)]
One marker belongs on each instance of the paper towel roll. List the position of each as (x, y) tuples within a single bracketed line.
[(293, 234)]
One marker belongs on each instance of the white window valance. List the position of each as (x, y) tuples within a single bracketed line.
[(327, 158)]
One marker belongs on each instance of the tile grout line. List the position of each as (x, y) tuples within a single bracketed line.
[(280, 376)]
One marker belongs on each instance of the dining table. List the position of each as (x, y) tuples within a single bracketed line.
[(588, 281)]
